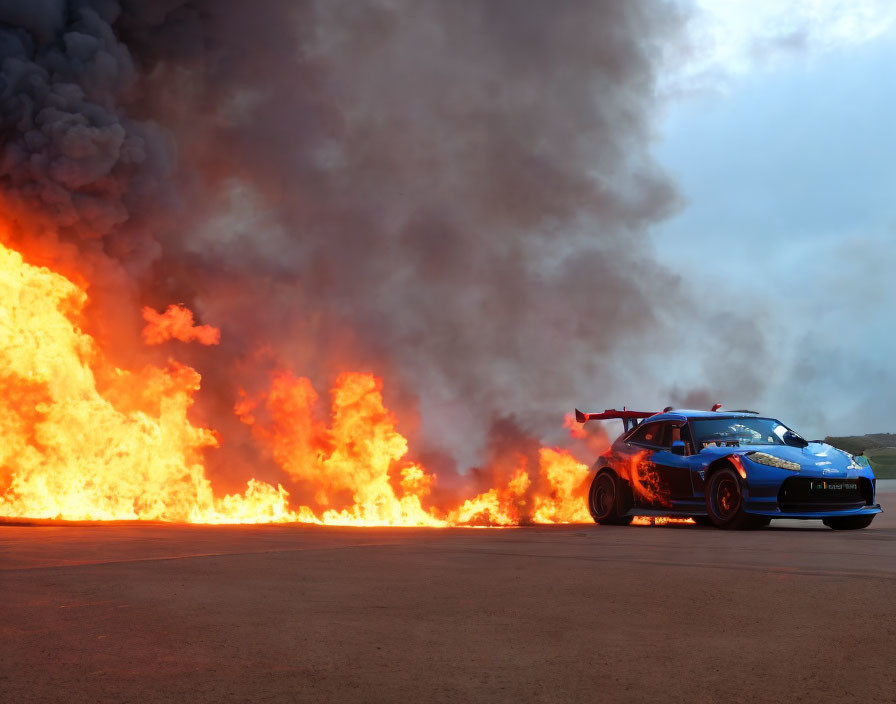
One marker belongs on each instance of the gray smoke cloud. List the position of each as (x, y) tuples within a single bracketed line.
[(453, 195), (71, 152)]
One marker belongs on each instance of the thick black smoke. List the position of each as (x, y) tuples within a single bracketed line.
[(454, 195)]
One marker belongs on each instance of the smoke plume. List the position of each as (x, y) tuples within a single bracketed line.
[(452, 195)]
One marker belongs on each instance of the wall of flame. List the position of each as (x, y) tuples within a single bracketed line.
[(86, 440)]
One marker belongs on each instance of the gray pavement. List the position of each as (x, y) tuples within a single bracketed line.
[(145, 613)]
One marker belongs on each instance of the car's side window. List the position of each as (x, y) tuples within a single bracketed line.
[(667, 435), (638, 435), (662, 435), (649, 434)]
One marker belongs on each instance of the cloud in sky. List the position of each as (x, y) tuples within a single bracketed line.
[(726, 38), (790, 217)]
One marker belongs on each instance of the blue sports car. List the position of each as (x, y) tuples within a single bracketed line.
[(727, 469)]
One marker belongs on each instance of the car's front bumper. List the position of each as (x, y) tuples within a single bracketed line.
[(768, 492), (775, 513)]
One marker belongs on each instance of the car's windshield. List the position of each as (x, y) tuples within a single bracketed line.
[(737, 431)]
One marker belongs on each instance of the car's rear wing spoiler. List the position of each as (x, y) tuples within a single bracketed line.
[(629, 418)]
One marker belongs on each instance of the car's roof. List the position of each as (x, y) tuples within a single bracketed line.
[(685, 414)]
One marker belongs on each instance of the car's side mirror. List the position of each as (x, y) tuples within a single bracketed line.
[(794, 440), (678, 447)]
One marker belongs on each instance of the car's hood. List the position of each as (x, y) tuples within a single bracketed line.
[(816, 455)]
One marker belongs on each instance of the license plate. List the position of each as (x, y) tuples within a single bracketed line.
[(834, 486)]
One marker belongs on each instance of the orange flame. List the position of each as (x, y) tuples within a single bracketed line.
[(70, 452), (661, 521), (576, 430), (176, 323), (85, 440), (645, 481)]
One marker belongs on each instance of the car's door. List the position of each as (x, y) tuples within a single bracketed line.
[(660, 477), (674, 470)]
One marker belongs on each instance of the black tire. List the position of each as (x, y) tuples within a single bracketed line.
[(704, 521), (725, 503), (604, 501), (849, 522)]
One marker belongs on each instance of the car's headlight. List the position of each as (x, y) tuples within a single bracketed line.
[(772, 461), (858, 462)]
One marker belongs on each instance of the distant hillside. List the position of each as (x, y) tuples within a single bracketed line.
[(855, 444), (880, 448)]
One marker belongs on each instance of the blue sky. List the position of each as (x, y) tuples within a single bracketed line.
[(785, 161)]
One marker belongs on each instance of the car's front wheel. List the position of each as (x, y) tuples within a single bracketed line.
[(725, 502), (604, 501), (849, 522)]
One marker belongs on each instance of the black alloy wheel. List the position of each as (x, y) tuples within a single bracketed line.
[(725, 502), (603, 501), (849, 522)]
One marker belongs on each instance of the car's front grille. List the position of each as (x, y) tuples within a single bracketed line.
[(808, 494)]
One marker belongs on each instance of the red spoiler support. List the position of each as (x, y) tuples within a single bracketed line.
[(628, 418)]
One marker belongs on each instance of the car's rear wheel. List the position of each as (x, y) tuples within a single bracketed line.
[(725, 503), (849, 522), (604, 501)]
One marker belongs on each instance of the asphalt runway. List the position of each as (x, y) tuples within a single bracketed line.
[(158, 613)]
